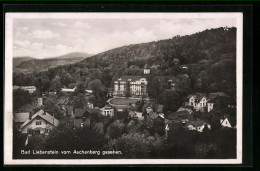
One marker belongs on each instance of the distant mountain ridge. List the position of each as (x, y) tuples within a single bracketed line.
[(30, 64), (18, 60)]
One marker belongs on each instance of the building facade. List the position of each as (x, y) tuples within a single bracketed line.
[(40, 123), (130, 85), (107, 111)]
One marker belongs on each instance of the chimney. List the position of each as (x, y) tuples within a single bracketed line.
[(135, 120), (53, 119), (30, 115), (44, 112), (83, 119)]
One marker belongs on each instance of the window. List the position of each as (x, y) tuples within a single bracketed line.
[(29, 131), (38, 118), (38, 122)]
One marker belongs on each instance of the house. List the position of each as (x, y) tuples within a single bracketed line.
[(180, 116), (221, 103), (68, 90), (30, 89), (131, 85), (228, 121), (198, 101), (107, 111), (40, 123), (81, 118), (197, 125), (146, 69), (136, 126), (20, 118), (90, 105)]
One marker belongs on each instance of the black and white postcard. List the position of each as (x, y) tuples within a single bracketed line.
[(123, 88)]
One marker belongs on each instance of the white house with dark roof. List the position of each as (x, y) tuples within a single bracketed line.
[(40, 123)]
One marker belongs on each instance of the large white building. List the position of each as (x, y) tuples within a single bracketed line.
[(30, 89), (134, 85)]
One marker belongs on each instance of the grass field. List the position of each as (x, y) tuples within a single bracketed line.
[(122, 101)]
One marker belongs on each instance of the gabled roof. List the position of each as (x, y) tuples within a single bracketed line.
[(153, 115), (159, 109), (45, 116), (231, 119), (215, 94), (21, 117), (27, 108), (81, 112), (134, 128), (197, 96)]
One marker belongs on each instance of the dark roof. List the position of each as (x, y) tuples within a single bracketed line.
[(197, 96), (94, 111), (153, 115), (21, 117), (183, 112), (136, 127), (81, 112), (46, 116), (27, 108), (159, 109), (215, 94)]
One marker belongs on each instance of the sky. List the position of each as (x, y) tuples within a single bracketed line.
[(50, 37)]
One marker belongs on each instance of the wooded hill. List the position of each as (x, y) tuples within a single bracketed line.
[(210, 58)]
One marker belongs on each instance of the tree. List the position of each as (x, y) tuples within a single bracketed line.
[(20, 98), (98, 91), (80, 101), (53, 109), (171, 100), (56, 84), (136, 146), (80, 88)]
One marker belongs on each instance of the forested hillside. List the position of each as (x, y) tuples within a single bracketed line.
[(210, 58)]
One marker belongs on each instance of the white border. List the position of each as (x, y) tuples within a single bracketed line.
[(8, 138)]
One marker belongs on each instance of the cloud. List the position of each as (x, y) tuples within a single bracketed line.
[(80, 24), (60, 24), (44, 34)]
